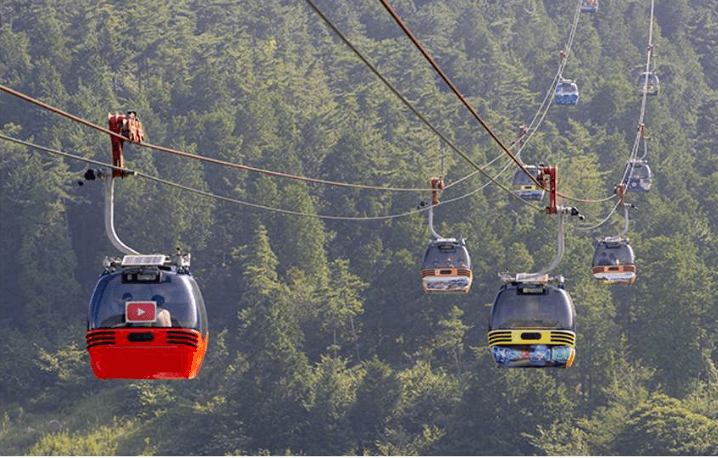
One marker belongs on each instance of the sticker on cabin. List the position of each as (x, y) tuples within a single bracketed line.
[(140, 312)]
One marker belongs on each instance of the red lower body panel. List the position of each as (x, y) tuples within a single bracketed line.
[(146, 353)]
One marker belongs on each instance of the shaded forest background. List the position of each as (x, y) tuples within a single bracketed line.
[(321, 339)]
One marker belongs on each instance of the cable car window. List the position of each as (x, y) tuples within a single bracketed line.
[(613, 254), (639, 171), (567, 88), (522, 178), (446, 255), (177, 294), (551, 309), (651, 78)]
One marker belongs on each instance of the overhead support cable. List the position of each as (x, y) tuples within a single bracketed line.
[(466, 103), (140, 174), (204, 158), (453, 88), (406, 103), (640, 136)]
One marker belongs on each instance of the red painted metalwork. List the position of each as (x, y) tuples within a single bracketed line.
[(437, 184), (621, 192), (146, 353), (550, 175), (128, 126)]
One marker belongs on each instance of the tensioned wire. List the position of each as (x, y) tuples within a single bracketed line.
[(562, 64), (547, 96), (628, 172), (230, 164), (236, 165), (381, 77), (547, 101), (466, 103), (552, 89), (280, 174), (205, 158), (229, 199)]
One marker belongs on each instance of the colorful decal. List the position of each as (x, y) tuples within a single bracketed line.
[(535, 356), (446, 283)]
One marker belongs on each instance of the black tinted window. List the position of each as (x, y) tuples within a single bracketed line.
[(551, 310), (177, 294)]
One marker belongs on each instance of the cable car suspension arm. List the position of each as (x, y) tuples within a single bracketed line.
[(130, 127), (625, 226), (110, 216)]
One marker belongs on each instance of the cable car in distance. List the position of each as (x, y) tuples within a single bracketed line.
[(638, 176), (147, 320), (614, 261), (648, 82), (524, 187), (589, 6), (566, 92), (532, 324), (446, 267)]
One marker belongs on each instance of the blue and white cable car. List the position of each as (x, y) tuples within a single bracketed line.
[(566, 92), (638, 176)]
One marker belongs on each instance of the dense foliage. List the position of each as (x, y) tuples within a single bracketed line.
[(322, 341)]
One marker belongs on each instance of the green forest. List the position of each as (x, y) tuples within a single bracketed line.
[(322, 341)]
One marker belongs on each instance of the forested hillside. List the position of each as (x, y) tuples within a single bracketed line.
[(322, 341)]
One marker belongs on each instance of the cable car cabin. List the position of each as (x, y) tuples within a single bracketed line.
[(638, 176), (589, 6), (446, 267), (614, 261), (648, 83), (566, 92), (524, 187), (147, 320), (532, 325)]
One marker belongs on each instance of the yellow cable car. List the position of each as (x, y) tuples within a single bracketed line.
[(524, 187), (532, 324)]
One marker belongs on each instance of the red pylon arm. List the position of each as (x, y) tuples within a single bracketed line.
[(550, 174), (115, 122), (129, 126), (437, 184)]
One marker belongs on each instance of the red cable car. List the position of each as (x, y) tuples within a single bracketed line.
[(147, 320)]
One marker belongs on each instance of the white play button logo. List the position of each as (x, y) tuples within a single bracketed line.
[(140, 312)]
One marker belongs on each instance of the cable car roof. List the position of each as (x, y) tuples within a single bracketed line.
[(530, 278), (448, 241), (181, 261), (612, 253), (614, 239)]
